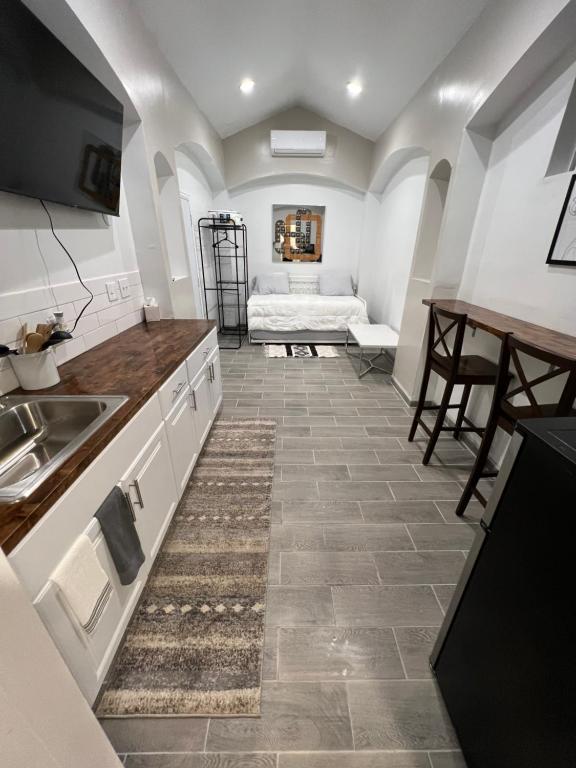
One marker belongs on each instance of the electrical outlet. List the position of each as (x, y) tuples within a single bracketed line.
[(112, 290), (124, 287)]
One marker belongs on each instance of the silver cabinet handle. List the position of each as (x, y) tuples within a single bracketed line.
[(194, 404), (136, 487), (210, 372), (129, 500), (213, 372), (179, 388)]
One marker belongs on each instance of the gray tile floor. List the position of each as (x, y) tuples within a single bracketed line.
[(365, 552)]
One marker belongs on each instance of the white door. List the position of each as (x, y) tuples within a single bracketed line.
[(152, 491), (215, 380), (202, 404), (182, 438), (193, 256)]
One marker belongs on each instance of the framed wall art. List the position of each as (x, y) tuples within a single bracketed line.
[(297, 233), (563, 248)]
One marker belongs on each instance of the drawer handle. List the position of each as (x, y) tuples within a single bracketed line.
[(136, 487), (179, 388), (131, 505), (194, 404)]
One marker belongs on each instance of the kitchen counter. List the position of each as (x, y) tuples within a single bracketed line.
[(134, 363)]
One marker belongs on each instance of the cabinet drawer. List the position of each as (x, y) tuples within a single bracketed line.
[(172, 389), (196, 359)]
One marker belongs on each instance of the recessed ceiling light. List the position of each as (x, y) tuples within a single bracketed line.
[(247, 85), (354, 87)]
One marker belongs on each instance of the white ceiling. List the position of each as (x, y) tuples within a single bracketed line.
[(304, 52)]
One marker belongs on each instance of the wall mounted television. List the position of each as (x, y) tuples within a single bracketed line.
[(61, 129)]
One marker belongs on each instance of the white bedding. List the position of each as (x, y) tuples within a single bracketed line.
[(304, 312)]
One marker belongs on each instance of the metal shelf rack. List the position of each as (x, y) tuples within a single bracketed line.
[(224, 258)]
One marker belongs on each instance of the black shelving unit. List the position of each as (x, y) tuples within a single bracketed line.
[(224, 256)]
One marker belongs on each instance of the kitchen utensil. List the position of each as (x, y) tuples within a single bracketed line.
[(33, 342), (56, 338)]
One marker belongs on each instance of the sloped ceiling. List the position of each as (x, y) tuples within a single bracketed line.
[(303, 52)]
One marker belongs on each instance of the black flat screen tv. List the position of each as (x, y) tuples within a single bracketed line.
[(60, 128)]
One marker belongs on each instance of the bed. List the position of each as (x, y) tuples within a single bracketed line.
[(303, 315)]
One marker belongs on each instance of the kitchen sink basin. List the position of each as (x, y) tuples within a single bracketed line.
[(39, 432)]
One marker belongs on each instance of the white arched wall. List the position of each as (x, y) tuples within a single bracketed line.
[(174, 242), (342, 230), (196, 199), (389, 235)]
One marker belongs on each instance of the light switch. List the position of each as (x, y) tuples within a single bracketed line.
[(124, 287), (112, 290)]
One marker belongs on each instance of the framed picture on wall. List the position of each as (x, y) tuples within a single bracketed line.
[(563, 248), (297, 233)]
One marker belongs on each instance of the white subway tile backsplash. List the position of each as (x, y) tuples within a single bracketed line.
[(101, 334), (69, 349), (8, 380), (86, 324), (10, 330), (101, 321), (129, 320), (112, 313)]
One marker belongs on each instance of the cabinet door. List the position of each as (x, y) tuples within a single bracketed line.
[(182, 439), (215, 379), (202, 405), (152, 492)]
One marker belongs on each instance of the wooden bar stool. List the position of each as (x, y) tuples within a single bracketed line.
[(456, 369), (504, 413)]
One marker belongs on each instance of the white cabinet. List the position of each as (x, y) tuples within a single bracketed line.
[(215, 381), (172, 426), (202, 405), (149, 484), (182, 438)]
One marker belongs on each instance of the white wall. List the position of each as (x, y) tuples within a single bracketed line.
[(37, 276), (518, 212), (247, 156), (506, 268), (192, 184), (342, 225), (390, 229), (509, 45)]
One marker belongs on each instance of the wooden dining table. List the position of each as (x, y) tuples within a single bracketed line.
[(499, 325)]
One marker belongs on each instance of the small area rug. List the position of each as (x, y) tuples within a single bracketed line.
[(194, 645), (300, 350)]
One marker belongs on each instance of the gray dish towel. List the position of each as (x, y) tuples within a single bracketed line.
[(117, 523)]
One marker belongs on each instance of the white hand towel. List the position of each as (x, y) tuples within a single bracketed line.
[(83, 583)]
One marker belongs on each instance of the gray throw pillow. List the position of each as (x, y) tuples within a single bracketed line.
[(336, 284), (274, 282)]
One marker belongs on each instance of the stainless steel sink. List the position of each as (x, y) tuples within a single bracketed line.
[(39, 432)]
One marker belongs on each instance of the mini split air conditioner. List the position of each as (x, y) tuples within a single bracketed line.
[(298, 143)]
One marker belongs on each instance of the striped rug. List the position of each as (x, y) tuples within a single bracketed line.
[(194, 645)]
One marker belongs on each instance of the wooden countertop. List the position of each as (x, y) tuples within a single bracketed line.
[(133, 363), (499, 325)]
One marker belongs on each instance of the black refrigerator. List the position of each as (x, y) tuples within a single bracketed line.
[(505, 658)]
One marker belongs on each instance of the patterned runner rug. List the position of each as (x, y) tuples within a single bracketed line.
[(194, 645), (300, 350)]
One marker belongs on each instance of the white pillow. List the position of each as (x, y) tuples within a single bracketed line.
[(274, 282), (336, 284)]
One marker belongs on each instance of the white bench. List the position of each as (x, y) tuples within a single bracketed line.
[(380, 337)]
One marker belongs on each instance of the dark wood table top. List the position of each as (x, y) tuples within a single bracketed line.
[(499, 325), (133, 363)]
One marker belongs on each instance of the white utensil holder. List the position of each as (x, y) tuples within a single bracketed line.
[(37, 370)]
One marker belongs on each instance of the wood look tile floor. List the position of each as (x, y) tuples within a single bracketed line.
[(365, 552)]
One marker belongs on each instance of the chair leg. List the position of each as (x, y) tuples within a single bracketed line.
[(439, 422), (421, 402), (478, 468), (462, 410)]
